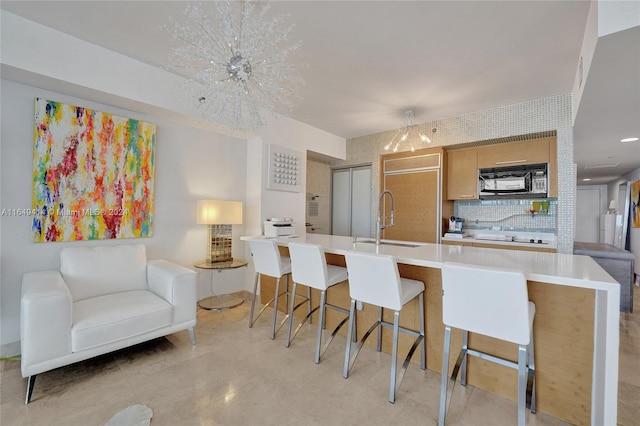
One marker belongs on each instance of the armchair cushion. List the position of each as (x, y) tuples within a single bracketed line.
[(96, 271), (106, 319)]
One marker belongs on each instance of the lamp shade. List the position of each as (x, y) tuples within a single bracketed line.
[(613, 205), (216, 212)]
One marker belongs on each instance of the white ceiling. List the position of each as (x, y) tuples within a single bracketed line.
[(366, 62)]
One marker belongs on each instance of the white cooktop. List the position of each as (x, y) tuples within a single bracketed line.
[(541, 239)]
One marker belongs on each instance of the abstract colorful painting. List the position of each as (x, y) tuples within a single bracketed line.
[(93, 174), (635, 204)]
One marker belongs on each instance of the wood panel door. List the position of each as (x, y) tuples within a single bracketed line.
[(534, 151), (417, 202), (462, 174)]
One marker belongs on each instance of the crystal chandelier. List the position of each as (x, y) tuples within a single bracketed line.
[(236, 62), (408, 132)]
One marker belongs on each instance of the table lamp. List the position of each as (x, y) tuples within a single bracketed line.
[(219, 216)]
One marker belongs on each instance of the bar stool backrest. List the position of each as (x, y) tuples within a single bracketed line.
[(486, 300), (308, 265), (374, 279), (266, 257)]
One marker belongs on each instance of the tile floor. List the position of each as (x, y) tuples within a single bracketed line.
[(238, 376)]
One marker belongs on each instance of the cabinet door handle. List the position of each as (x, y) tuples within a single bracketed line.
[(466, 196), (511, 161)]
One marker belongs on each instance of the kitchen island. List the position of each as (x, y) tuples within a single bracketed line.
[(576, 329)]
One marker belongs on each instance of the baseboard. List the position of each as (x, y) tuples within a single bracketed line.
[(10, 349)]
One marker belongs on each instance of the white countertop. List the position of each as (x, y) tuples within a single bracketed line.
[(563, 269)]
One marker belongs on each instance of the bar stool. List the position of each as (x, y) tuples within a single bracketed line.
[(375, 279), (493, 302), (267, 261), (309, 267)]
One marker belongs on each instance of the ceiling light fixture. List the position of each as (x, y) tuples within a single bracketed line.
[(586, 179), (235, 62), (629, 140), (601, 166), (408, 132)]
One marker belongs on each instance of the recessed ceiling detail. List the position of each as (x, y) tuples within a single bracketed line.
[(601, 166)]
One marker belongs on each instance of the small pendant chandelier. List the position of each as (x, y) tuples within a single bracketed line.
[(408, 132)]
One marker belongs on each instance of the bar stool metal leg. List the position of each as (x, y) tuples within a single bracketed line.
[(291, 309), (445, 376), (423, 346), (253, 300), (275, 308), (347, 352), (379, 342), (463, 365), (522, 384), (531, 377), (321, 318), (394, 357)]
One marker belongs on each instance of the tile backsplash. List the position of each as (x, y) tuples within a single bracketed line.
[(507, 215)]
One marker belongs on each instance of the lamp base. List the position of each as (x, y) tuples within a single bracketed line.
[(219, 243)]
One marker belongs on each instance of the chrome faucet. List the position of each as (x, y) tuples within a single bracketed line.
[(380, 220)]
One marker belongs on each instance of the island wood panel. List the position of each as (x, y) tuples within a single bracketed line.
[(563, 331), (456, 243), (416, 206)]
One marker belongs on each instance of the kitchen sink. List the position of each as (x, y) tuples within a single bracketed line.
[(391, 243)]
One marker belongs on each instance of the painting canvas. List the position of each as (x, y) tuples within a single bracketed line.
[(635, 204), (93, 174)]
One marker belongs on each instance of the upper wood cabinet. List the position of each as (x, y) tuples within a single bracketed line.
[(463, 164), (514, 153), (462, 174)]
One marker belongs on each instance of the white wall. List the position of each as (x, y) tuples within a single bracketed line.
[(616, 15), (589, 41)]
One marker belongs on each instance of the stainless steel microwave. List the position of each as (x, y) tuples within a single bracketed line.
[(524, 181)]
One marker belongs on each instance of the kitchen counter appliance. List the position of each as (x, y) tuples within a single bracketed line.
[(278, 227), (455, 225), (524, 181)]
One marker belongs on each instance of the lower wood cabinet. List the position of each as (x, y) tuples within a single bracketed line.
[(499, 246)]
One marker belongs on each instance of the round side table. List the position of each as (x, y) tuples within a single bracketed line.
[(223, 301)]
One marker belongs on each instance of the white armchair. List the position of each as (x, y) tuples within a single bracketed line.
[(102, 299)]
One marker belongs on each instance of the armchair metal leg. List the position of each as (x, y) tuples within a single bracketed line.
[(31, 381), (192, 335)]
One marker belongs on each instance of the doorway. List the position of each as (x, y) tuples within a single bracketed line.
[(351, 201), (589, 207)]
